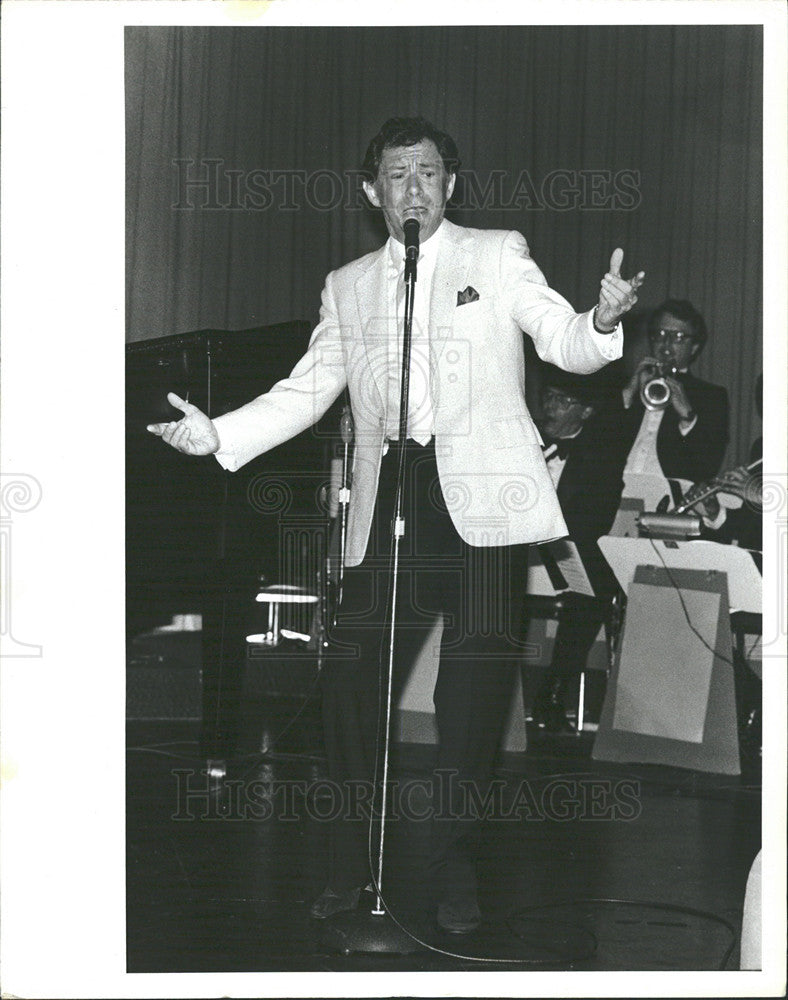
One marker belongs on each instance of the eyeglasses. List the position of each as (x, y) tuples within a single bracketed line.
[(564, 402), (672, 337)]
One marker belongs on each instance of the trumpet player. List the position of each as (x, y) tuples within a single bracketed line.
[(676, 425)]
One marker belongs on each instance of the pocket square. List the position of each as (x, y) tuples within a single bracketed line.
[(467, 295)]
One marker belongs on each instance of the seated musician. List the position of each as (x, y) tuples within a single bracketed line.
[(741, 525), (585, 456)]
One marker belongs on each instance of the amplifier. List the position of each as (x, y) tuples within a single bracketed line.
[(164, 676)]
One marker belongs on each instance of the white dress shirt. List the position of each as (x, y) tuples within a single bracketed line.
[(421, 420), (643, 458)]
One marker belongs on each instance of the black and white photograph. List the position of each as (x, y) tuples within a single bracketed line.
[(394, 438)]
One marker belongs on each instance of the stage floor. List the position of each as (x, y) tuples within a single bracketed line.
[(589, 865)]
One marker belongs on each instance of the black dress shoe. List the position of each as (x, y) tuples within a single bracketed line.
[(459, 914), (328, 903)]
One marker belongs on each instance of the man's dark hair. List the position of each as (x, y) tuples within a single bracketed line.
[(589, 390), (398, 132), (685, 311)]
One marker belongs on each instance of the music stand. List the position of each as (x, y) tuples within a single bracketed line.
[(671, 698), (624, 555)]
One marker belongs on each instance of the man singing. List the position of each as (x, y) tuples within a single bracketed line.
[(477, 489)]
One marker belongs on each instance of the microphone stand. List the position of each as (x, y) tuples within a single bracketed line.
[(346, 431), (354, 932), (331, 575), (398, 531)]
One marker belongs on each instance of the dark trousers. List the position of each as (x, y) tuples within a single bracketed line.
[(478, 592)]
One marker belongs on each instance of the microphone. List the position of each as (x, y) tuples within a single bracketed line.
[(346, 426), (411, 230)]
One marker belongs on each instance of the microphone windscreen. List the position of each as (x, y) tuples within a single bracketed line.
[(346, 426), (411, 229)]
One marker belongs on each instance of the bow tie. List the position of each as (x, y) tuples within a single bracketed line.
[(557, 448)]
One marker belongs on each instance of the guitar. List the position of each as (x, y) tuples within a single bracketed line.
[(702, 491)]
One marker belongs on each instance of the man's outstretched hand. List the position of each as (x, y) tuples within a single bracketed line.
[(616, 296), (193, 434)]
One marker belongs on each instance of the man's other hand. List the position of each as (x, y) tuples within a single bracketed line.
[(193, 434), (616, 295), (645, 371)]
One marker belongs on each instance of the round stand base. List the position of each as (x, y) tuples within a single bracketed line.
[(364, 932)]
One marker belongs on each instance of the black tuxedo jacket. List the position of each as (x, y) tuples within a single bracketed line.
[(589, 492), (697, 455)]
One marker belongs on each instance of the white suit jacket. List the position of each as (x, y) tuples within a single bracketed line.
[(493, 476)]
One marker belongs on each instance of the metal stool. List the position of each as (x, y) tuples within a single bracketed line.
[(275, 596)]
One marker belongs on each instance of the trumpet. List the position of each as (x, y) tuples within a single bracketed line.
[(655, 393)]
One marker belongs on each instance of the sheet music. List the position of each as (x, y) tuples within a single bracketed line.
[(569, 562), (744, 579)]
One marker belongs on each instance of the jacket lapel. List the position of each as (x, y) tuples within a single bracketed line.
[(373, 320), (379, 330), (570, 475), (451, 275)]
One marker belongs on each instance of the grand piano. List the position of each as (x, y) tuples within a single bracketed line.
[(200, 540)]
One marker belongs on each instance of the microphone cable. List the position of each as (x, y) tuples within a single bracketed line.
[(378, 889), (693, 629), (744, 749)]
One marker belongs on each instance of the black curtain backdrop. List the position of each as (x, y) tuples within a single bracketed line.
[(584, 138)]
